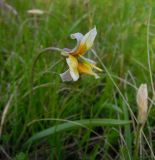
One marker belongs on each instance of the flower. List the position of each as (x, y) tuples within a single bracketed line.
[(75, 60), (142, 102), (35, 12)]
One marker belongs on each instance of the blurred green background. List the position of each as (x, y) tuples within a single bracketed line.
[(121, 45)]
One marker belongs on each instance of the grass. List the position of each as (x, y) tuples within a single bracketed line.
[(125, 50)]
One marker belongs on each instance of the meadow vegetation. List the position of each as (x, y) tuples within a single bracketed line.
[(90, 119)]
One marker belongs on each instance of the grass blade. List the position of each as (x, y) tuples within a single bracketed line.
[(76, 124)]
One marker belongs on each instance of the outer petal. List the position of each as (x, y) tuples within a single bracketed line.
[(78, 36), (73, 67), (88, 39), (86, 69), (66, 76), (86, 42)]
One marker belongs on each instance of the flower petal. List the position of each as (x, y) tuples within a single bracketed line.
[(78, 36), (91, 63), (86, 42), (73, 67), (86, 69), (88, 39), (66, 76), (97, 68), (87, 60)]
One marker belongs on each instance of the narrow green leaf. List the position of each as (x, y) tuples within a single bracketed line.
[(127, 134), (85, 123)]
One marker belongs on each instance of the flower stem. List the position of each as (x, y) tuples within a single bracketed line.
[(137, 141), (35, 61)]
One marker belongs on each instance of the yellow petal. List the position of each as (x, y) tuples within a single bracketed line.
[(80, 50), (91, 63), (86, 43), (73, 67), (97, 68), (86, 69)]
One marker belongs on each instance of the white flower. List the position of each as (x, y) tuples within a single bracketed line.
[(75, 60)]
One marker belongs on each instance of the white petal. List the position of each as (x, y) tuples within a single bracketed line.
[(78, 36), (66, 76), (73, 67), (89, 38)]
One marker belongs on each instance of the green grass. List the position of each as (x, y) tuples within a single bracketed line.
[(123, 45)]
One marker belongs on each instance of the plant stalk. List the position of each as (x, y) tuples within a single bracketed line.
[(138, 140)]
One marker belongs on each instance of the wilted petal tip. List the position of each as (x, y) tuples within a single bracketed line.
[(66, 77)]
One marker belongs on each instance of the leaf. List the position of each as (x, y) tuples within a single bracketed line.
[(85, 123)]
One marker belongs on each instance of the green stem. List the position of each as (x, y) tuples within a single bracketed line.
[(36, 59), (31, 82), (33, 67), (137, 141)]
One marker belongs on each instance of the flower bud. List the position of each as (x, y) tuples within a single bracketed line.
[(35, 12), (142, 102)]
